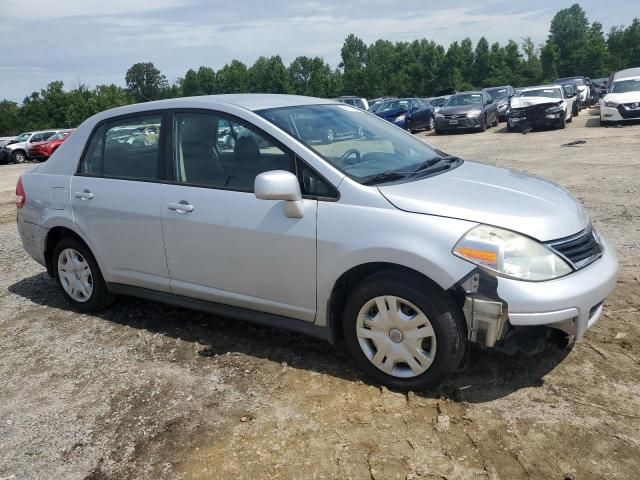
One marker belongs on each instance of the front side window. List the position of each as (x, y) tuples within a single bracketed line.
[(127, 149), (367, 148), (213, 150)]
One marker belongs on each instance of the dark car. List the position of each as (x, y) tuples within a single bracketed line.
[(583, 84), (408, 113), (467, 110), (501, 95)]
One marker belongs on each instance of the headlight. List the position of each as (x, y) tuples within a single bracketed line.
[(474, 113), (611, 104), (510, 254), (400, 118)]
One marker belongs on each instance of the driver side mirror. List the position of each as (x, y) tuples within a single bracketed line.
[(281, 185)]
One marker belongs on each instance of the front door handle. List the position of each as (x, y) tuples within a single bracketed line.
[(84, 195), (181, 207)]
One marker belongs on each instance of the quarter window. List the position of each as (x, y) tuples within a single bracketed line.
[(212, 150), (127, 148)]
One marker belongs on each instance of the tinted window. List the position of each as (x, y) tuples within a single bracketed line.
[(311, 183), (127, 148), (92, 161), (213, 150)]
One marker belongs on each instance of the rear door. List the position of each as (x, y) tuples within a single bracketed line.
[(116, 199), (222, 243)]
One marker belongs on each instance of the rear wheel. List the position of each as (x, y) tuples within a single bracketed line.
[(79, 277), (403, 332), (19, 156)]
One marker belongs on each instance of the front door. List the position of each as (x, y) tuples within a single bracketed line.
[(116, 198), (222, 243)]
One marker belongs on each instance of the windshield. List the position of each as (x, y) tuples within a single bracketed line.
[(22, 137), (625, 86), (497, 93), (576, 80), (355, 142), (438, 101), (464, 99), (542, 92), (393, 105)]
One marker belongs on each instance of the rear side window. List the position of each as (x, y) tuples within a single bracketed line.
[(127, 149)]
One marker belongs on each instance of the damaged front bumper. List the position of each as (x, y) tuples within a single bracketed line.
[(572, 304)]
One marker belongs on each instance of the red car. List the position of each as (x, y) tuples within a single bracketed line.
[(43, 150)]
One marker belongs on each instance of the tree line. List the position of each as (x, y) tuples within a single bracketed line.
[(575, 46)]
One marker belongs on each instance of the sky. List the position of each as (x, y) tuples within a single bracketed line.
[(96, 41)]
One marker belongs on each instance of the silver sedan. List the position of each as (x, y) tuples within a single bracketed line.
[(375, 239)]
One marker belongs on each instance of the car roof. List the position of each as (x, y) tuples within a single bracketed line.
[(470, 92), (495, 88), (248, 101), (538, 87)]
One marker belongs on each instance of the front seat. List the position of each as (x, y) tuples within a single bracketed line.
[(247, 161), (200, 161)]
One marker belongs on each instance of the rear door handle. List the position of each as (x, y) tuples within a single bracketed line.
[(181, 207), (84, 195)]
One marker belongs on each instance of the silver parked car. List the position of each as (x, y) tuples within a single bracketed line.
[(404, 253)]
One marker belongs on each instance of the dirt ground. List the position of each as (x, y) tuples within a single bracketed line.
[(144, 390)]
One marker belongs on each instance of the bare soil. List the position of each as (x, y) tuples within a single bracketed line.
[(144, 390)]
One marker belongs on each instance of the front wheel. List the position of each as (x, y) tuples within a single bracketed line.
[(403, 332), (431, 124), (483, 124), (79, 277), (19, 156)]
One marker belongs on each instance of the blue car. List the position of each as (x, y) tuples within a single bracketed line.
[(408, 113)]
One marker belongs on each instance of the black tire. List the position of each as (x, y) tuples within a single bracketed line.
[(570, 119), (18, 156), (563, 125), (483, 125), (496, 122), (445, 317), (329, 136), (431, 124), (100, 297), (438, 131)]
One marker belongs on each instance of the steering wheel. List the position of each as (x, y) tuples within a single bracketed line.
[(349, 153)]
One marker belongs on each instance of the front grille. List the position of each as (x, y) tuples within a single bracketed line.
[(629, 110), (457, 115), (580, 249)]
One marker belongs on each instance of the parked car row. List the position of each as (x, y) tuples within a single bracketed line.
[(38, 146)]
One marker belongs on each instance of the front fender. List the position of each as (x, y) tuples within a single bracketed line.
[(351, 235)]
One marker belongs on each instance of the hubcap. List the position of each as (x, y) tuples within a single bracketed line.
[(75, 275), (396, 336)]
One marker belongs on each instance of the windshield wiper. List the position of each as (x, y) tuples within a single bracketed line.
[(433, 161), (385, 177)]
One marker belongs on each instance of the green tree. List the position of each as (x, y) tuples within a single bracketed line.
[(190, 85), (354, 55), (145, 82), (481, 63), (207, 80), (531, 67), (569, 33), (233, 78)]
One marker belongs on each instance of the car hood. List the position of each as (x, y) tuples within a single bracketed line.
[(459, 109), (627, 97), (524, 101), (391, 113), (494, 196)]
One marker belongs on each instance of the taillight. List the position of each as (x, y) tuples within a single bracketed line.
[(21, 198)]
